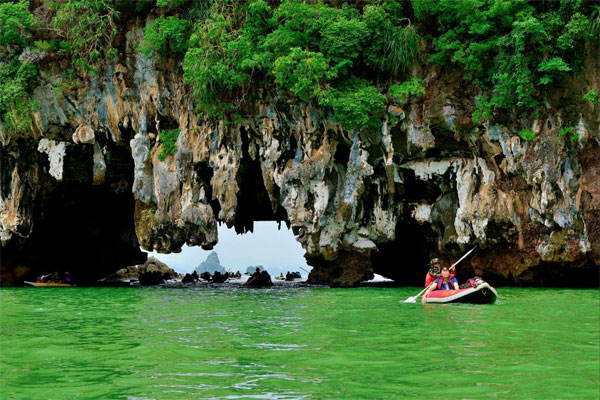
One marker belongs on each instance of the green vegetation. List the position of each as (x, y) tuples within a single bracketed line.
[(86, 29), (17, 78), (341, 55), (591, 96), (168, 139), (511, 49), (526, 134), (166, 36), (403, 91), (569, 132), (330, 56), (356, 105)]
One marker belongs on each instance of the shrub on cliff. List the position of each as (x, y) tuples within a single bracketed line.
[(86, 30), (357, 105), (511, 49), (168, 139), (166, 36), (313, 51), (17, 78)]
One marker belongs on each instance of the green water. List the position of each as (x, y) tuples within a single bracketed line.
[(161, 343)]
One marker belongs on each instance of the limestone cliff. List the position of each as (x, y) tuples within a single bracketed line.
[(428, 182)]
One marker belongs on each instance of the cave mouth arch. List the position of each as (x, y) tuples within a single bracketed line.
[(79, 225), (270, 244), (405, 259)]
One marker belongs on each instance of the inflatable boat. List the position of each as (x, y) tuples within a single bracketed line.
[(482, 294), (48, 284)]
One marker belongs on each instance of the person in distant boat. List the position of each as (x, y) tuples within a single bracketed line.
[(443, 282), (68, 277), (45, 278)]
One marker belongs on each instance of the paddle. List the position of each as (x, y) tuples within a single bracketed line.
[(413, 299)]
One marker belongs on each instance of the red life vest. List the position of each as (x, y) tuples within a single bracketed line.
[(430, 278), (441, 282)]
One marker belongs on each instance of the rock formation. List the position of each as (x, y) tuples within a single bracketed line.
[(211, 265), (252, 269), (88, 186), (259, 279), (152, 267)]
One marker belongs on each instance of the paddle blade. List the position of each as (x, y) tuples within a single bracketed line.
[(411, 300)]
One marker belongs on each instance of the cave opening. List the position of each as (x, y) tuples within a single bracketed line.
[(270, 245), (84, 228), (406, 258), (254, 203)]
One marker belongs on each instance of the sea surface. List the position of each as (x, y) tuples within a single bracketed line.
[(295, 343)]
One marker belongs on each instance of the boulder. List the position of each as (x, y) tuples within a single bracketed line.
[(152, 272), (252, 269), (259, 279)]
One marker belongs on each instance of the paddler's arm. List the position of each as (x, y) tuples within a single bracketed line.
[(455, 283), (429, 289)]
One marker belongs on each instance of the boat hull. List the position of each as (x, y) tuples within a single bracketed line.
[(48, 284), (482, 294)]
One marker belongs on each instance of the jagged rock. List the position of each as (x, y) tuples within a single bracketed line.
[(152, 272), (259, 279), (253, 268), (190, 278), (219, 277), (211, 265), (381, 200)]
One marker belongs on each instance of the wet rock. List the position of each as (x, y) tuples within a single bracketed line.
[(190, 278), (152, 272), (219, 277), (259, 279)]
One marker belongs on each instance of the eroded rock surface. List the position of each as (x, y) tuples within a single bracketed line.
[(428, 182)]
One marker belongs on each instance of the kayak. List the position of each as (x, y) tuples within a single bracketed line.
[(482, 294), (48, 284)]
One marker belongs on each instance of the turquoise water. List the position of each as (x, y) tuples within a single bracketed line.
[(364, 343)]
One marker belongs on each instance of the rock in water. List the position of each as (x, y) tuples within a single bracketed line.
[(219, 277), (252, 269), (211, 265), (259, 279), (152, 272)]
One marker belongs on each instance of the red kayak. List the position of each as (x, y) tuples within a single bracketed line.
[(482, 294)]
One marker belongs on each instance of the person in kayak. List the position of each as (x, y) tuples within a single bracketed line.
[(443, 282), (434, 271)]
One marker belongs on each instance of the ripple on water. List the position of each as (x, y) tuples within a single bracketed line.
[(295, 343)]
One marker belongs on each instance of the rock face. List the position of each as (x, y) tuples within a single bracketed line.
[(426, 183), (211, 265), (151, 268)]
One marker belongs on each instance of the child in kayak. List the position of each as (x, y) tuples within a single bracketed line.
[(435, 270), (444, 282)]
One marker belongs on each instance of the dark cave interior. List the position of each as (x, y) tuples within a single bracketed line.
[(79, 227)]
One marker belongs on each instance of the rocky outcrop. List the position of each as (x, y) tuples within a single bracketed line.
[(211, 265), (259, 279), (152, 267), (428, 182)]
